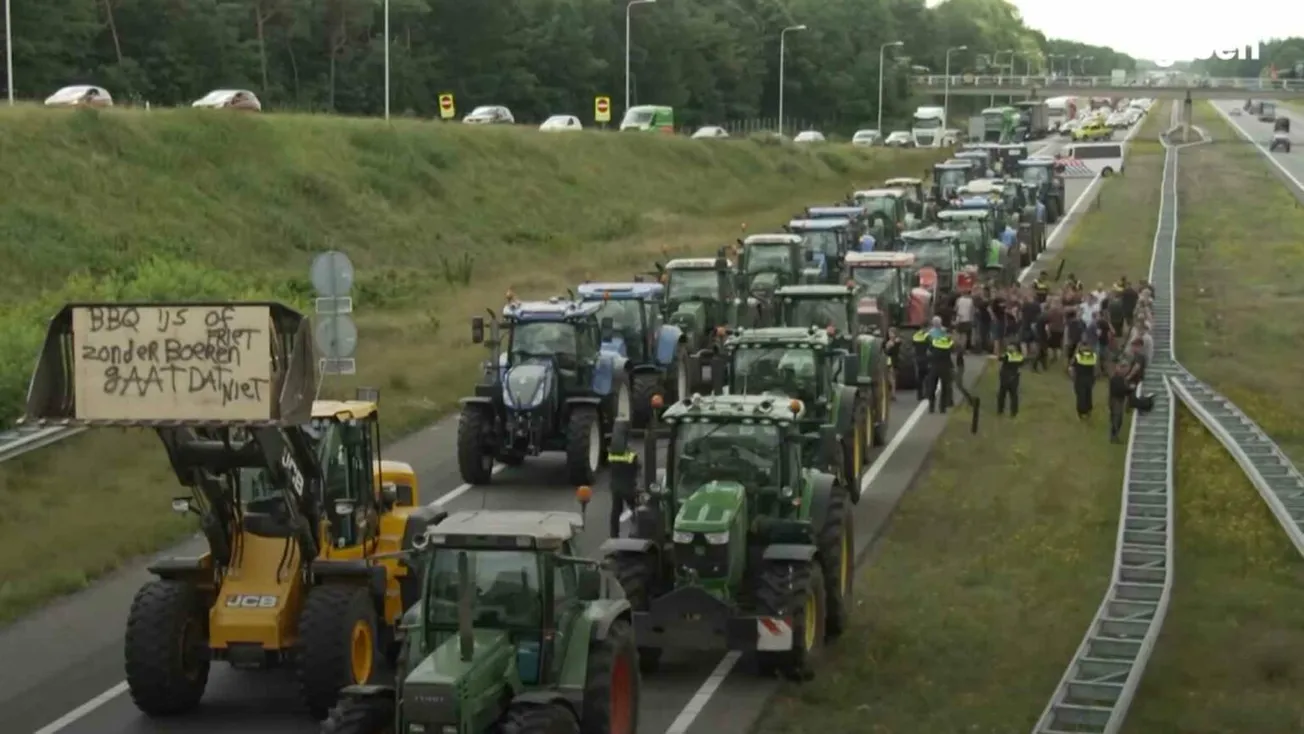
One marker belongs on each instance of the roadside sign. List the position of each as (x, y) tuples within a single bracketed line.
[(446, 108), (602, 109), (337, 336), (338, 366), (332, 274), (334, 333)]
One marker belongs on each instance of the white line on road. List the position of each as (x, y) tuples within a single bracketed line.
[(81, 711), (1262, 148)]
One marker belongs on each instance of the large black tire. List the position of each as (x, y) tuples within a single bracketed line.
[(332, 618), (646, 384), (475, 461), (533, 718), (360, 716), (611, 686), (637, 574), (582, 429), (783, 589), (882, 414), (166, 648), (837, 544), (855, 444)]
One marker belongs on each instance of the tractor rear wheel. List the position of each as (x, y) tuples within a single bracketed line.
[(533, 718), (611, 686), (360, 716), (474, 461), (882, 413), (854, 444), (646, 384), (637, 574), (837, 544), (166, 648), (796, 591), (583, 444), (337, 644)]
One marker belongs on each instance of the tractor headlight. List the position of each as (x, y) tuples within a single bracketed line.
[(717, 538), (682, 537)]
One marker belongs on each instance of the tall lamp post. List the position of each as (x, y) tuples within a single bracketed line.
[(1050, 62), (881, 50), (1082, 67), (946, 92), (386, 58), (629, 6), (783, 34), (9, 53)]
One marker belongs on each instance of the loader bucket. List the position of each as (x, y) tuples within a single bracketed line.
[(174, 364)]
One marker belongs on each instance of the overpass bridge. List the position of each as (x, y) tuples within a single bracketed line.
[(1041, 87)]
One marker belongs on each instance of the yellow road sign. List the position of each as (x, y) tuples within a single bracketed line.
[(602, 109), (446, 108)]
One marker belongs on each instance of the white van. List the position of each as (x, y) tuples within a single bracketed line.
[(1105, 159)]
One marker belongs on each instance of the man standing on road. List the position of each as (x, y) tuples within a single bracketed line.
[(964, 307), (1011, 364), (624, 473), (1129, 298), (1118, 397), (919, 343), (982, 319), (1041, 287), (1031, 314), (1084, 379), (940, 372)]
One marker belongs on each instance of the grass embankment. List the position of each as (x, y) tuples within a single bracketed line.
[(995, 562), (440, 221), (1228, 658)]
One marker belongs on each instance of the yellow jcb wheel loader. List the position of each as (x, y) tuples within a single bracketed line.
[(303, 518)]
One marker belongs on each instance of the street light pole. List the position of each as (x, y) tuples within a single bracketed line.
[(386, 58), (629, 6), (881, 50), (9, 53), (1083, 66), (783, 34), (946, 93)]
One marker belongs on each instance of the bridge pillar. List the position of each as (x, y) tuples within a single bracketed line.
[(1187, 117)]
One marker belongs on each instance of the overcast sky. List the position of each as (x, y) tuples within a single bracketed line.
[(1197, 27)]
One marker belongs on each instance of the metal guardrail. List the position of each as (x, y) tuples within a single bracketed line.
[(22, 439), (1249, 84), (1097, 689)]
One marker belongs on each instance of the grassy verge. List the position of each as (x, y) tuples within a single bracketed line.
[(1228, 658), (1236, 295), (995, 562), (440, 220)]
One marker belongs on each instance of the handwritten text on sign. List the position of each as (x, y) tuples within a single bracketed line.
[(173, 363)]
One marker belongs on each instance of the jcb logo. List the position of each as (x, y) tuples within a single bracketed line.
[(250, 601), (292, 468)]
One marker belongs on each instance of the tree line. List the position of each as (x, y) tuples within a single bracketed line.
[(713, 60)]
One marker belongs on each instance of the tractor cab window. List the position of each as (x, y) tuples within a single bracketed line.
[(698, 283), (257, 489), (542, 340), (779, 371), (763, 258), (937, 254), (821, 313), (627, 324), (822, 241), (748, 453), (1036, 175), (874, 282), (505, 590), (884, 205), (951, 178)]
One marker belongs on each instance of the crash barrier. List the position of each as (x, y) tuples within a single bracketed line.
[(23, 439), (1096, 690)]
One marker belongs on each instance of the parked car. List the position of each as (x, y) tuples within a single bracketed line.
[(809, 136), (235, 99), (710, 131), (80, 95), (1093, 130), (899, 139), (865, 138), (562, 123), (490, 115)]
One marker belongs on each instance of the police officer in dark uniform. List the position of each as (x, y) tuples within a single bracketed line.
[(1011, 366), (919, 342), (941, 353), (624, 473), (1084, 378), (1041, 287)]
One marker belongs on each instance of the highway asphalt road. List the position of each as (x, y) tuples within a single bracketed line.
[(1289, 165), (63, 670)]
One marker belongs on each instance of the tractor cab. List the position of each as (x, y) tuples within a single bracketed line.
[(1043, 184), (822, 306), (914, 193), (1010, 156), (635, 310), (949, 177), (981, 160), (825, 242), (976, 244), (984, 193), (888, 297), (941, 252), (857, 215), (888, 210), (700, 300)]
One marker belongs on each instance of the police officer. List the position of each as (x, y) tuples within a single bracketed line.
[(1041, 287), (919, 342), (1011, 365), (624, 474), (1084, 378), (941, 353)]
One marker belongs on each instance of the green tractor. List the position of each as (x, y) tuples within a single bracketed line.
[(948, 177), (701, 302), (836, 307), (978, 249), (515, 633), (766, 263), (890, 210), (889, 297), (1044, 185), (807, 364), (917, 203), (738, 544), (826, 240)]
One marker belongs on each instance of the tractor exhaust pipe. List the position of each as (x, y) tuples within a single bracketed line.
[(466, 639)]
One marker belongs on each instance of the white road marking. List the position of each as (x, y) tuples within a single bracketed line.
[(456, 492), (81, 711), (1263, 149), (703, 696)]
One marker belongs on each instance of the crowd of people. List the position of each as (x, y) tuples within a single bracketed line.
[(1092, 335)]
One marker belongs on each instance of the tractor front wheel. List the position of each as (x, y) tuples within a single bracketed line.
[(583, 444), (854, 443), (337, 644), (474, 461), (646, 384), (611, 686), (533, 718), (837, 544), (794, 591), (882, 412), (167, 653), (360, 716), (637, 574)]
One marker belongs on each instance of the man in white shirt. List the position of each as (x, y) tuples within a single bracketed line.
[(964, 318)]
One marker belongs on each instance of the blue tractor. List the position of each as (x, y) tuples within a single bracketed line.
[(547, 387), (655, 350)]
